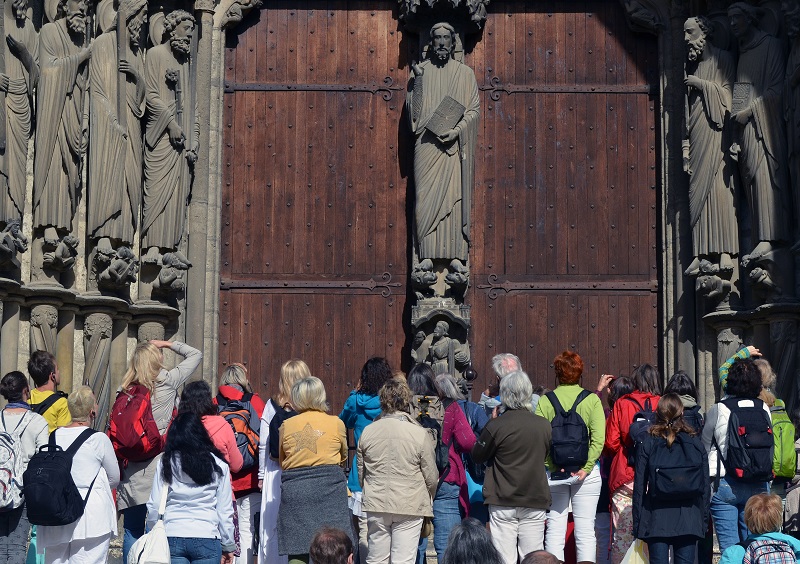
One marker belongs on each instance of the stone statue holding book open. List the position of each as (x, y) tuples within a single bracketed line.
[(443, 108)]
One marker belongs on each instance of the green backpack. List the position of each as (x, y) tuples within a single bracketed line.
[(784, 459)]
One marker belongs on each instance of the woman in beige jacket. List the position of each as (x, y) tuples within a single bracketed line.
[(397, 471)]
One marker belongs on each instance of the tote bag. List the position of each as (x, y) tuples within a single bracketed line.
[(153, 547)]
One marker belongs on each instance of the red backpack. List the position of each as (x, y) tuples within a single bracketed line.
[(132, 428)]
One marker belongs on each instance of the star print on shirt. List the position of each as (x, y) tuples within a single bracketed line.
[(307, 438)]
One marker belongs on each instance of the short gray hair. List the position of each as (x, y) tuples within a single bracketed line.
[(448, 388), (516, 391), (80, 403), (505, 363)]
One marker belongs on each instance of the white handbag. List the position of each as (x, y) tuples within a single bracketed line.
[(153, 547)]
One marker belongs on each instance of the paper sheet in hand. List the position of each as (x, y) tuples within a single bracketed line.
[(446, 116)]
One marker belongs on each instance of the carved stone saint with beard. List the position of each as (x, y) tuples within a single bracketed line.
[(171, 125), (63, 52), (114, 183), (709, 81)]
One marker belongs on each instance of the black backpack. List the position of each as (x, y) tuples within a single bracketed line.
[(694, 418), (637, 432), (750, 442), (679, 472), (50, 493), (48, 402), (570, 440)]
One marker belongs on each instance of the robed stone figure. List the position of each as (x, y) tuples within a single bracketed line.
[(63, 52), (759, 129), (443, 165), (170, 137), (114, 183), (17, 82), (710, 76)]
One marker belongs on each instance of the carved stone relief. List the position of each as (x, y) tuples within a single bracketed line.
[(44, 322)]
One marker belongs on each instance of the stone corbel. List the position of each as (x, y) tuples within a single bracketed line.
[(228, 13), (647, 16)]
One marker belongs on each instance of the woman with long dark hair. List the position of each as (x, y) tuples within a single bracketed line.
[(199, 515), (361, 408), (669, 512)]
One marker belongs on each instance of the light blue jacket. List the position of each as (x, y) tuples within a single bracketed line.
[(359, 411), (735, 554)]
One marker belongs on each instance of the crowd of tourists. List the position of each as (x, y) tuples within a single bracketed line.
[(638, 468)]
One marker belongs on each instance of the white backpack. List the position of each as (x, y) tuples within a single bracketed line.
[(11, 463)]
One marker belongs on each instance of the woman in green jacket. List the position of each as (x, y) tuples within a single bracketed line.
[(577, 484)]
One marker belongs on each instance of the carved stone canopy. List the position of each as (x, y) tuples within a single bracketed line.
[(467, 16)]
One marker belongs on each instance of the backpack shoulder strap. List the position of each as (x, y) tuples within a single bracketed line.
[(556, 404), (43, 406), (647, 405), (581, 396), (635, 402), (247, 397), (77, 443)]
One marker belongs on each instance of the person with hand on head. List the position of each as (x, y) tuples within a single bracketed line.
[(146, 368), (199, 512), (29, 431)]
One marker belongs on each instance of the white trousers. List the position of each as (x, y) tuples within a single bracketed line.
[(516, 531), (247, 507), (81, 551), (583, 497), (393, 539)]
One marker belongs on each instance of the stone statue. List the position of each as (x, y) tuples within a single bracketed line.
[(710, 74), (116, 102), (759, 130), (121, 270), (19, 73), (171, 138), (443, 165), (792, 95), (12, 242), (447, 355), (63, 51), (170, 277), (64, 256)]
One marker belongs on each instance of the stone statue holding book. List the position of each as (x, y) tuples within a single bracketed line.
[(443, 109)]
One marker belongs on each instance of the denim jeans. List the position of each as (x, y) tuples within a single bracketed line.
[(683, 550), (446, 515), (14, 529), (194, 550), (727, 509), (133, 519)]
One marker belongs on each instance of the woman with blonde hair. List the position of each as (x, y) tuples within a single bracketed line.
[(269, 469), (313, 449), (147, 374), (95, 472), (235, 392)]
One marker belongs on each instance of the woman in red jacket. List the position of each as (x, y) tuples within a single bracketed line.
[(235, 387), (647, 389)]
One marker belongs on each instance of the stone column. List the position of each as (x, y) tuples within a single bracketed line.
[(65, 347), (196, 292), (9, 336)]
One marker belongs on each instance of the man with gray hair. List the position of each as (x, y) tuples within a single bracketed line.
[(502, 364)]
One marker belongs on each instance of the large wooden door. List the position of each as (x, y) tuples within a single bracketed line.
[(316, 194)]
